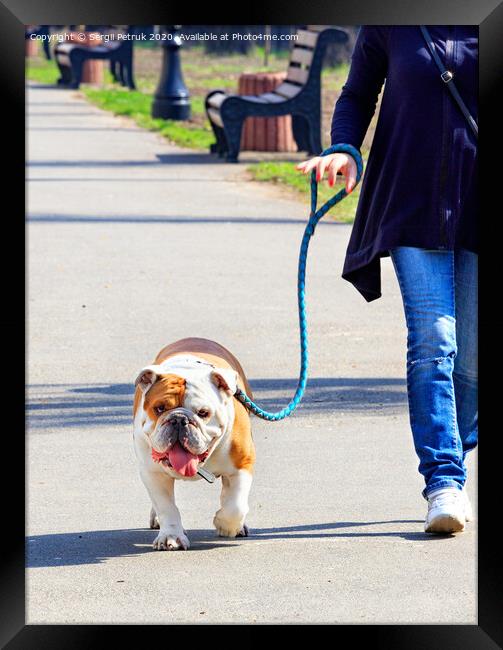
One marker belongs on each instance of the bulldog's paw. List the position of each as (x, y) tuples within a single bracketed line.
[(229, 526), (154, 521), (244, 532), (168, 541)]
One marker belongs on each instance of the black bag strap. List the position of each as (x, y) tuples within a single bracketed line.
[(447, 78)]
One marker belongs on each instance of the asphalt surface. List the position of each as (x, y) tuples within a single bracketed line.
[(133, 243)]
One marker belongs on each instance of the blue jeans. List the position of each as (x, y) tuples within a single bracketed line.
[(440, 297)]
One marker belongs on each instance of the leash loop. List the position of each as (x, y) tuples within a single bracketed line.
[(314, 218)]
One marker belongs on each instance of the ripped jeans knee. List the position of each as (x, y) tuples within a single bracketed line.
[(438, 359), (431, 339)]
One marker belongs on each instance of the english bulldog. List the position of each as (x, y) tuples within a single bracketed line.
[(188, 425)]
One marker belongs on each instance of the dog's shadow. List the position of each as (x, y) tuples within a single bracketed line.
[(94, 547)]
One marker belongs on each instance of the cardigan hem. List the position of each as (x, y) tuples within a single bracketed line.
[(363, 268)]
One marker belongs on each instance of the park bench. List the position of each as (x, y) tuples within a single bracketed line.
[(71, 56), (299, 96)]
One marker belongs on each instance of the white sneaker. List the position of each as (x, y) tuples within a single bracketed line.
[(446, 511), (468, 507)]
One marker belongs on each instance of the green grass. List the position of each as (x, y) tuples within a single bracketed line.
[(41, 70), (334, 78), (285, 173), (138, 106)]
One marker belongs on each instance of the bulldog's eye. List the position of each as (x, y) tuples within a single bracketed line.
[(203, 413), (159, 409)]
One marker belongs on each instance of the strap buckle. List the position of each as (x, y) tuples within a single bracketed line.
[(447, 76)]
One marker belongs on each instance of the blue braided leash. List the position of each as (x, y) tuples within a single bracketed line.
[(315, 216)]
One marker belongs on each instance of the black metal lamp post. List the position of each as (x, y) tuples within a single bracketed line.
[(171, 99)]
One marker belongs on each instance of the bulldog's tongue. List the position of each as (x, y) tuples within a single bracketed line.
[(182, 460)]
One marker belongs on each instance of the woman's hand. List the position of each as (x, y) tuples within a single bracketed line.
[(335, 162)]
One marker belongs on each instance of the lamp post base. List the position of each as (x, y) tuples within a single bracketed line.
[(171, 108)]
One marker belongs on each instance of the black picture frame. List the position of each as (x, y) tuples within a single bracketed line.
[(488, 15)]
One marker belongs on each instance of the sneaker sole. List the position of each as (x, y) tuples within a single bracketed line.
[(445, 524)]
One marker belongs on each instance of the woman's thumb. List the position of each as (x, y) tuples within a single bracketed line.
[(350, 178)]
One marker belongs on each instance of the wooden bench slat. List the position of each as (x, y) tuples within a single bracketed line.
[(288, 90), (65, 47), (256, 99), (306, 37), (216, 100), (112, 45), (299, 55), (215, 117), (272, 98), (297, 74)]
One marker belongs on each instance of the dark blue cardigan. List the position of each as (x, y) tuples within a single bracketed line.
[(420, 183)]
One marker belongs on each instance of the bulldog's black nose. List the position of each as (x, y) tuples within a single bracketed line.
[(178, 420)]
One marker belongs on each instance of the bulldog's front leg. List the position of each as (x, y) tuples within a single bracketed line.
[(161, 488), (229, 520), (153, 521)]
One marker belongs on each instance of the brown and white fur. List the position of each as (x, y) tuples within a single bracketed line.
[(186, 398)]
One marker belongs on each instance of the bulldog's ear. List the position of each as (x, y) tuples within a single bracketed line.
[(147, 378), (225, 379)]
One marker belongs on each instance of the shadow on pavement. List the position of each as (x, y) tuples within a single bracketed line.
[(118, 179), (69, 405), (176, 158), (203, 158), (33, 114), (46, 87), (68, 218), (94, 547), (305, 532), (73, 129), (91, 163)]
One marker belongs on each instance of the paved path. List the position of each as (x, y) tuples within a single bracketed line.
[(133, 243)]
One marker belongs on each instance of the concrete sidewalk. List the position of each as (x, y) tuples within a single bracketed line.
[(133, 243)]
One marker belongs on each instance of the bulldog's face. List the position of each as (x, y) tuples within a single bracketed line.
[(185, 412)]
